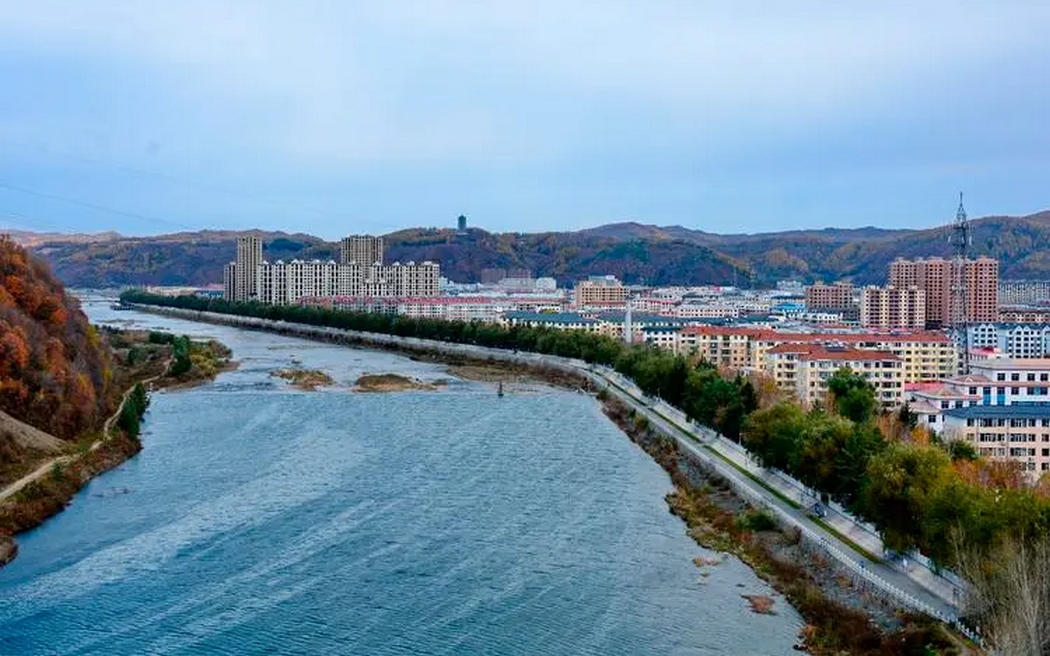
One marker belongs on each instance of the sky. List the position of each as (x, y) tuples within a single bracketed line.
[(339, 117)]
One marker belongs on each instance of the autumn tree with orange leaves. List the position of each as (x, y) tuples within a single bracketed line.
[(54, 371)]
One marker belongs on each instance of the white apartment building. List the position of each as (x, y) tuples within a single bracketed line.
[(282, 283), (1015, 340), (1023, 292)]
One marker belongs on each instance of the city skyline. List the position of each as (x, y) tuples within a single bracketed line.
[(326, 118)]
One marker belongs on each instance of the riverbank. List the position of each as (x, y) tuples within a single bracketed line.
[(145, 361), (841, 617), (816, 601)]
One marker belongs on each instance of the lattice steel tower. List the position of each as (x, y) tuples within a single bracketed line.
[(960, 240)]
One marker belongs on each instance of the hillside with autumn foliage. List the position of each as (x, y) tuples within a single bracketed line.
[(55, 371)]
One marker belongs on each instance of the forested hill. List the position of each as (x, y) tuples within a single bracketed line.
[(636, 252), (198, 258), (54, 368)]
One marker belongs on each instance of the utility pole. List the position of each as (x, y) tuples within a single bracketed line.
[(960, 239)]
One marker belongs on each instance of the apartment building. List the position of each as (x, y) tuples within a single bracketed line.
[(725, 347), (1014, 340), (935, 276), (365, 250), (893, 307), (804, 369), (249, 257), (993, 382), (600, 292), (838, 298), (280, 283), (1014, 433), (1024, 292), (1002, 408), (1024, 315), (562, 321), (924, 355)]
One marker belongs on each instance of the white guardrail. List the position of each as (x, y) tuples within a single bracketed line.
[(604, 375)]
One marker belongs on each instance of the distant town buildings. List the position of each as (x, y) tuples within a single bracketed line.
[(359, 272), (935, 277), (893, 307)]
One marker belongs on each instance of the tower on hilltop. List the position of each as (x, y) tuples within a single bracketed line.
[(960, 240)]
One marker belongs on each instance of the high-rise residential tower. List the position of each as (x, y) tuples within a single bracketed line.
[(365, 250), (934, 276), (246, 266)]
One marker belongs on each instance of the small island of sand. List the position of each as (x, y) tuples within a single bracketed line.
[(305, 379), (391, 383)]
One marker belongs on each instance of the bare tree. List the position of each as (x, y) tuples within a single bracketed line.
[(1009, 597)]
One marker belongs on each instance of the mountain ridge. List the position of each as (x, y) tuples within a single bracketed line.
[(636, 252)]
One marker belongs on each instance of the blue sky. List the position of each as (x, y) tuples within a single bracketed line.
[(340, 117)]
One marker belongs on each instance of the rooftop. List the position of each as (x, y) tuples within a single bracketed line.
[(1016, 411), (837, 353), (1025, 364), (552, 317), (969, 379)]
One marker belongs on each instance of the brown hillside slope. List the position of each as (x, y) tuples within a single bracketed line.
[(54, 369)]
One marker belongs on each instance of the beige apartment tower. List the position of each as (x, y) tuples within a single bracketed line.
[(893, 307), (364, 250), (600, 292), (837, 297), (245, 272)]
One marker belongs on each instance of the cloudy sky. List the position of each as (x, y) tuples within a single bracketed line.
[(344, 116)]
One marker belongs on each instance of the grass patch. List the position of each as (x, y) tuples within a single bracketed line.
[(848, 542)]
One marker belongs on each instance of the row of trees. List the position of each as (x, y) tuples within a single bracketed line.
[(130, 418), (919, 495), (697, 389)]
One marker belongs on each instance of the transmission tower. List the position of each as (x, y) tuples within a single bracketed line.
[(960, 240)]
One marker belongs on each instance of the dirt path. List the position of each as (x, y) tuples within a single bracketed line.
[(44, 468)]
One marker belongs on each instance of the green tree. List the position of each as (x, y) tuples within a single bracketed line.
[(775, 435), (853, 395)]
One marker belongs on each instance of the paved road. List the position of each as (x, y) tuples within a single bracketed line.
[(702, 446)]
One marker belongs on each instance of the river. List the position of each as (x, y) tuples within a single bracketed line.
[(259, 519)]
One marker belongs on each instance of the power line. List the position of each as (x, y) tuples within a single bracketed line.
[(164, 177), (93, 206)]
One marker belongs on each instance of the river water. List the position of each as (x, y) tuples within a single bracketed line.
[(259, 519)]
